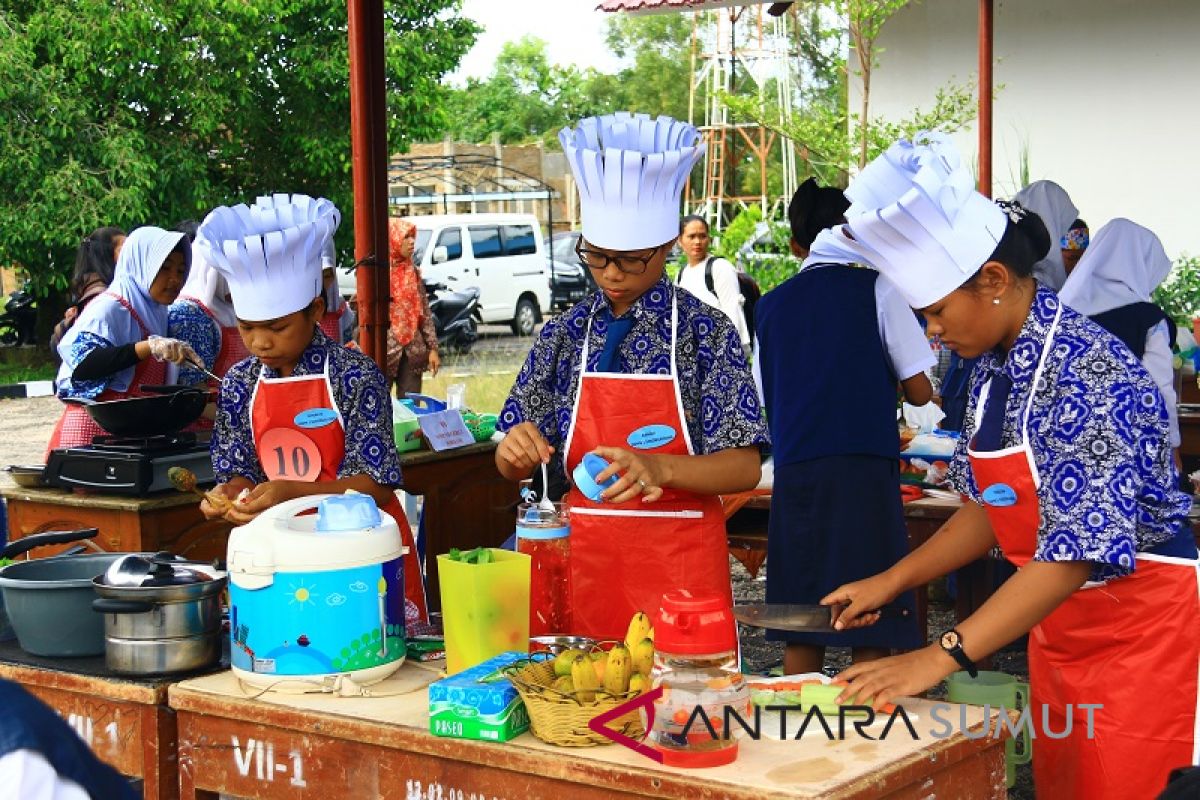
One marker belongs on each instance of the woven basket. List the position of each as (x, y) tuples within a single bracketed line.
[(562, 719)]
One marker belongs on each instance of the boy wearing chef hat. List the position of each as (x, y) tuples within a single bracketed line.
[(643, 375), (303, 415), (1066, 466)]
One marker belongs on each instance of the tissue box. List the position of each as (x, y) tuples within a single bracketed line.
[(479, 703)]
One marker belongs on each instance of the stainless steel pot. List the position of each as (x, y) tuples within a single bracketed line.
[(157, 629)]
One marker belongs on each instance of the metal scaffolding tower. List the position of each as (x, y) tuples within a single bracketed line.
[(727, 42)]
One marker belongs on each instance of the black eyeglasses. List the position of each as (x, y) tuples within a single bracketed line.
[(629, 264)]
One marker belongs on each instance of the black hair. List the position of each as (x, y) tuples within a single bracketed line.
[(187, 227), (1024, 243), (1078, 224), (689, 219), (96, 256), (814, 208)]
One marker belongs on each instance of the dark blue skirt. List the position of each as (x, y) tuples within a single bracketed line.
[(834, 520)]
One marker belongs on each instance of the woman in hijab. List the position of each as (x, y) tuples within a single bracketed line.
[(1052, 203), (1113, 285), (412, 339), (120, 341)]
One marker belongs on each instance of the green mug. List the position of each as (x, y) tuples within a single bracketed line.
[(996, 689)]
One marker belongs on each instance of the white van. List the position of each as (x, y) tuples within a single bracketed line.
[(502, 254)]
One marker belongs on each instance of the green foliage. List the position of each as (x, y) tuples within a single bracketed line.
[(737, 233), (1179, 294), (156, 111), (526, 98)]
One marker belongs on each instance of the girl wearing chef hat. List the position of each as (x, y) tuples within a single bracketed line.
[(1066, 466), (303, 415), (643, 375), (120, 343)]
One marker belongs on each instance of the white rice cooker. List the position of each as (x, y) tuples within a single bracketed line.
[(315, 596)]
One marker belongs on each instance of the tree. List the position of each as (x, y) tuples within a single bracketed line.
[(151, 112)]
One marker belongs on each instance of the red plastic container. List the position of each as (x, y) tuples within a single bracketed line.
[(546, 538)]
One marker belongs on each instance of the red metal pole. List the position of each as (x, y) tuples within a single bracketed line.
[(986, 32), (368, 146)]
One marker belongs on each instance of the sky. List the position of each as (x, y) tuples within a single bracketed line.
[(572, 29)]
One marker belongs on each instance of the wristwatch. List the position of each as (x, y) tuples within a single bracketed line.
[(951, 642)]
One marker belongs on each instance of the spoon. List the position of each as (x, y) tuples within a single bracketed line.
[(200, 367), (545, 504)]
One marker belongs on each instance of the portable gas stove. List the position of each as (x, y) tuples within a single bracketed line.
[(128, 466)]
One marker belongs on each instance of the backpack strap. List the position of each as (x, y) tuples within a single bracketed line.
[(708, 278)]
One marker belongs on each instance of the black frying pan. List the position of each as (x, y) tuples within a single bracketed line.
[(166, 409)]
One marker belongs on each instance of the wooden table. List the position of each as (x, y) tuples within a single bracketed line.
[(163, 521), (319, 746), (467, 503), (125, 721)]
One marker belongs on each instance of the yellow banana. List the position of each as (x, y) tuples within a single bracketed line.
[(583, 675), (564, 684), (638, 683), (639, 625), (616, 676), (650, 634), (643, 657), (601, 666)]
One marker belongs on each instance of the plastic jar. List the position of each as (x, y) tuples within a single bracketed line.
[(695, 660), (545, 536)]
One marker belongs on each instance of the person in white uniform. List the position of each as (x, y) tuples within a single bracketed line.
[(711, 278)]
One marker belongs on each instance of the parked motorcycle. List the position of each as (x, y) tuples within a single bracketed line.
[(18, 322), (454, 316)]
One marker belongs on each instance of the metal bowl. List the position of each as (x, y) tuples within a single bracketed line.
[(27, 476), (559, 643)]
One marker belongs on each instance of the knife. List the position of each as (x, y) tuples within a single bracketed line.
[(800, 617)]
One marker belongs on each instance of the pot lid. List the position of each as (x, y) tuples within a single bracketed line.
[(161, 569)]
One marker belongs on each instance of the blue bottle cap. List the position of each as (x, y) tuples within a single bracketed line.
[(348, 512), (585, 476)]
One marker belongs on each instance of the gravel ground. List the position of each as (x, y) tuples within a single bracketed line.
[(760, 656)]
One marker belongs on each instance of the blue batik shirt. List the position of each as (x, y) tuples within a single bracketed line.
[(359, 392), (1099, 434), (187, 322), (720, 404)]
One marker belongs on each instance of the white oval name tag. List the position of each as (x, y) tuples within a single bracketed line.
[(651, 436), (315, 418), (999, 495)]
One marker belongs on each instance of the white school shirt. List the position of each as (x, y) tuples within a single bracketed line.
[(728, 297), (1160, 363), (904, 344)]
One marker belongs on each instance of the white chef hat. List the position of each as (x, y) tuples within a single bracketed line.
[(932, 237), (630, 169), (270, 253)]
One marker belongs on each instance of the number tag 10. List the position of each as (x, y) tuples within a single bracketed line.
[(288, 455)]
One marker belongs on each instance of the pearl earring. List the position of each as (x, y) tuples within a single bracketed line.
[(995, 301)]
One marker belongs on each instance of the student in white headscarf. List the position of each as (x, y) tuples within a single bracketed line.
[(120, 341), (1113, 284), (203, 317), (1052, 203)]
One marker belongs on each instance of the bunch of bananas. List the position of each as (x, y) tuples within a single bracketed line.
[(624, 668)]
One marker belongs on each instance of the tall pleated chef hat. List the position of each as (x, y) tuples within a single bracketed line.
[(932, 235), (630, 169), (270, 252)]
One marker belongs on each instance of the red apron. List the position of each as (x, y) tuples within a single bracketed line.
[(331, 324), (290, 451), (625, 557), (1131, 644), (76, 427)]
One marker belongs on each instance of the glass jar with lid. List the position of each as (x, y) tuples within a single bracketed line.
[(545, 536)]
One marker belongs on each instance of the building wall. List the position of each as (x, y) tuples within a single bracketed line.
[(1104, 96)]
